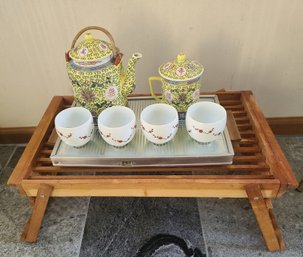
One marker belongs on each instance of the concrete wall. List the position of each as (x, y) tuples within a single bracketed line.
[(243, 44)]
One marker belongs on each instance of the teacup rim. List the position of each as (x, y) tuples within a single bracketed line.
[(133, 120), (89, 120), (206, 123), (160, 125)]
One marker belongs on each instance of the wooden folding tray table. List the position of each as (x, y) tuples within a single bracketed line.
[(259, 172)]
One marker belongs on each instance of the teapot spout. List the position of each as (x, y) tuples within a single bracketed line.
[(130, 76)]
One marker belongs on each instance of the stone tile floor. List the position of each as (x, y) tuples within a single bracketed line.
[(63, 224), (226, 227), (127, 223)]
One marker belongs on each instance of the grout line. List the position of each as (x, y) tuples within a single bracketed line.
[(203, 232), (82, 232), (22, 144)]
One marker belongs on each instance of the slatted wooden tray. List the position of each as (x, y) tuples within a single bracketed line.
[(248, 153), (259, 170)]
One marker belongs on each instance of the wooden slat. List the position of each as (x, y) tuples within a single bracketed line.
[(33, 226), (68, 100), (244, 127), (251, 149), (226, 96), (249, 141), (242, 119), (230, 102), (46, 152), (49, 144), (53, 138), (234, 107), (171, 187), (239, 114), (231, 167), (249, 158), (46, 160), (273, 239), (140, 176), (274, 155), (165, 179), (275, 224), (23, 168), (247, 134), (232, 127)]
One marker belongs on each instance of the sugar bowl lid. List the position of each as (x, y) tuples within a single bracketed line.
[(181, 69), (91, 49)]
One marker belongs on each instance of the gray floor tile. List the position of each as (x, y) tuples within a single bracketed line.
[(229, 223), (5, 153), (15, 158), (289, 213), (230, 227), (6, 171), (120, 226), (62, 228), (13, 213), (292, 147), (61, 231), (5, 174), (232, 252)]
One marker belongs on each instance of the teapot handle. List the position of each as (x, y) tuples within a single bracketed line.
[(150, 79), (106, 32)]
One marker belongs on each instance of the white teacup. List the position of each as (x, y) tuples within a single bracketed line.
[(117, 125), (205, 121), (74, 126), (159, 123)]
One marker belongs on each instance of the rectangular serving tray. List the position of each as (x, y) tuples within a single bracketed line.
[(182, 150)]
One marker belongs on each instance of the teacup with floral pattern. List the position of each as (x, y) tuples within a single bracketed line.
[(159, 123), (117, 125), (205, 121), (75, 126)]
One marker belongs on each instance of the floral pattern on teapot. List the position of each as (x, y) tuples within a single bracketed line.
[(180, 80), (91, 49), (180, 96), (95, 70), (181, 69)]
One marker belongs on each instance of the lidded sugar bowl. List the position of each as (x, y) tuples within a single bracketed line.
[(95, 69), (180, 82)]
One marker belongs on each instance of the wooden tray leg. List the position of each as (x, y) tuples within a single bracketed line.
[(300, 187), (265, 218), (32, 227)]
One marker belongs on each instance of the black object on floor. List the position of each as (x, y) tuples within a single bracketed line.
[(168, 245), (118, 227)]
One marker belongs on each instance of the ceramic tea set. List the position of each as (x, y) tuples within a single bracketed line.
[(180, 82), (101, 87), (95, 69)]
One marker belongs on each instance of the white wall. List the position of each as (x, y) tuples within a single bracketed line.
[(243, 44)]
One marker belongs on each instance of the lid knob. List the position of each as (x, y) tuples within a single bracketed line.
[(88, 36), (181, 57)]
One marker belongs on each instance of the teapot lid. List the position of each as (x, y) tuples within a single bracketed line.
[(181, 69), (91, 49)]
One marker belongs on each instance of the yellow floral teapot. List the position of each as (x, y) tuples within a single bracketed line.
[(95, 69)]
